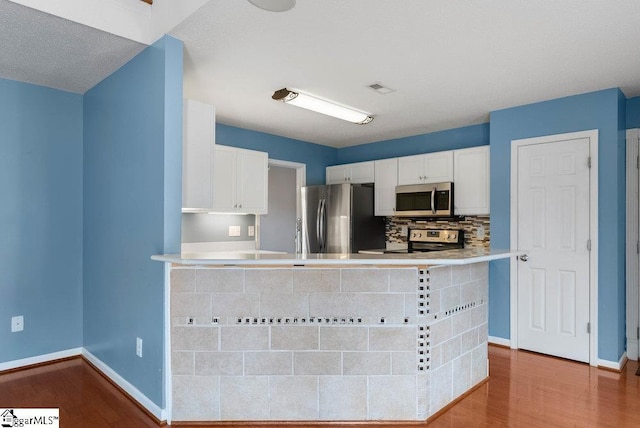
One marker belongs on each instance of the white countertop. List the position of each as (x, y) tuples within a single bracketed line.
[(449, 257)]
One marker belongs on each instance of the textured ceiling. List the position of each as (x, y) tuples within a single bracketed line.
[(449, 62), (50, 51)]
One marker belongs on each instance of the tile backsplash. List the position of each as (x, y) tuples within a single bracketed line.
[(476, 229)]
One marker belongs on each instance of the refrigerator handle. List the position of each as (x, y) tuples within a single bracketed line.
[(323, 225), (318, 223)]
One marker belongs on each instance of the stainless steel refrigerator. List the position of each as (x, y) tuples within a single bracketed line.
[(339, 218)]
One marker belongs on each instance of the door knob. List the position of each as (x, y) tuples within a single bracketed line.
[(524, 257)]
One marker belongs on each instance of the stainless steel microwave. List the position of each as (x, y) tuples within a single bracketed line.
[(425, 200)]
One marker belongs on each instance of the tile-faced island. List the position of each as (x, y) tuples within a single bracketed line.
[(345, 337)]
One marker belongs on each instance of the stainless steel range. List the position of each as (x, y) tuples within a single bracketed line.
[(423, 240)]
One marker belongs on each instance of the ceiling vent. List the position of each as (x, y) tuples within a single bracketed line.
[(381, 89)]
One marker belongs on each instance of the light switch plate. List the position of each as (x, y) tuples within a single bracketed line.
[(251, 231), (234, 230)]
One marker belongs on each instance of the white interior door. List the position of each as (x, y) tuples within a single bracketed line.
[(553, 227)]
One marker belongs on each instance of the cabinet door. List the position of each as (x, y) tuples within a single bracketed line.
[(361, 172), (337, 174), (198, 141), (471, 181), (411, 169), (386, 179), (438, 167), (224, 179), (252, 181)]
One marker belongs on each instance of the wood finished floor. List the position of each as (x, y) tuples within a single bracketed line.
[(524, 390)]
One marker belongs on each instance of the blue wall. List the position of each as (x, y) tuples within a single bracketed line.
[(602, 110), (41, 218), (315, 156), (458, 138), (633, 113), (132, 170)]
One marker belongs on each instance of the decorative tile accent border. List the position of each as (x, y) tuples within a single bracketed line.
[(292, 321), (470, 224), (423, 292), (464, 307)]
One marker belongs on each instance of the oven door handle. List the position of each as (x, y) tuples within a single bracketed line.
[(433, 200)]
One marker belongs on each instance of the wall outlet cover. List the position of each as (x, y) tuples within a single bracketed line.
[(234, 230), (17, 323), (251, 231)]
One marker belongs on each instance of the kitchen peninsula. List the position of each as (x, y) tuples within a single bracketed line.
[(353, 337)]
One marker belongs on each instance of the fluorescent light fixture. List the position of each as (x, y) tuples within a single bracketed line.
[(322, 106), (274, 5)]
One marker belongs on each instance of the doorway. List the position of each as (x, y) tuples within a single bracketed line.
[(277, 228), (554, 220)]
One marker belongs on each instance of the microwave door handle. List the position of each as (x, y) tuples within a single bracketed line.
[(433, 200)]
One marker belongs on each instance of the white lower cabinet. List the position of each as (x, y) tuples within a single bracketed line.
[(386, 180), (240, 180), (471, 181)]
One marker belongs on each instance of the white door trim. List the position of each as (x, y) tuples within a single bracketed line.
[(592, 135), (633, 239)]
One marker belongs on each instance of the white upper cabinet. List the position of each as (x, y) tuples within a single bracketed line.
[(427, 168), (198, 141), (240, 180), (360, 172), (471, 181), (386, 180)]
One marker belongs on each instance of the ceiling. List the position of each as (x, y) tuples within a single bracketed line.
[(47, 50), (449, 63)]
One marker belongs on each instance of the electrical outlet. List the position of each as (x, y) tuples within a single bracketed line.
[(480, 232), (251, 231), (139, 347), (234, 230), (17, 323)]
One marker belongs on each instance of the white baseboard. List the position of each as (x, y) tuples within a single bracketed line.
[(9, 365), (134, 392), (500, 341), (614, 365)]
